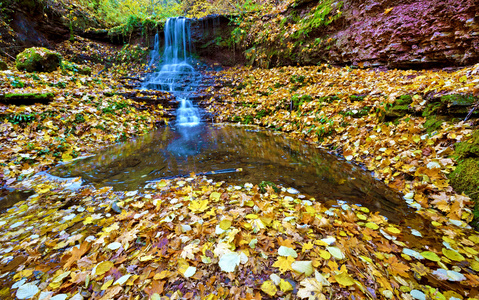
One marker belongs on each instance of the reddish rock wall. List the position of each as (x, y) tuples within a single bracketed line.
[(405, 34)]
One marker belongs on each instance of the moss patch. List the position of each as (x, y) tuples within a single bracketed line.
[(27, 98), (404, 100), (432, 124), (469, 148), (80, 69), (38, 59), (465, 178), (459, 100)]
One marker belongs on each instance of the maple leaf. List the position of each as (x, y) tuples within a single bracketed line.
[(75, 254), (198, 206), (397, 268), (189, 251), (312, 289), (420, 269), (284, 263)]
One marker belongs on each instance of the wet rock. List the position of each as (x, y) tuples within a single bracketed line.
[(38, 59)]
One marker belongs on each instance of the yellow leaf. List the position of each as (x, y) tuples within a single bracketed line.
[(343, 277), (393, 230), (285, 286), (103, 267), (388, 10), (284, 263), (215, 196), (371, 225), (269, 288), (198, 206), (324, 254), (106, 284), (66, 157), (225, 224), (430, 255), (307, 246), (452, 254)]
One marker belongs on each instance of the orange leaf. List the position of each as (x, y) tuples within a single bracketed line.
[(397, 268)]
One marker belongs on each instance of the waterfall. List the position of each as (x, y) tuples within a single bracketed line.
[(176, 75)]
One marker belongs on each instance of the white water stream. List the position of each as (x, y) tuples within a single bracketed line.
[(176, 74)]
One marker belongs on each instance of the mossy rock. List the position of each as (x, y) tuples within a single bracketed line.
[(465, 178), (3, 65), (468, 148), (459, 100), (453, 104), (38, 59), (26, 99), (400, 108)]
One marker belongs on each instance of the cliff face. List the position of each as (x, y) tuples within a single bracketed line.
[(392, 33), (406, 34)]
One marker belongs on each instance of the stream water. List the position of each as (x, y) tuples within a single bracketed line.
[(234, 154), (237, 155)]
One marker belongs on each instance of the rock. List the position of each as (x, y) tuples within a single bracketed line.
[(38, 59), (3, 65), (465, 177), (395, 34), (26, 98)]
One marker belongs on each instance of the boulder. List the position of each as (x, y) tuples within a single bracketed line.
[(3, 65), (38, 59)]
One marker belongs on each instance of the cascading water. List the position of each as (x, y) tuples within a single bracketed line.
[(176, 75)]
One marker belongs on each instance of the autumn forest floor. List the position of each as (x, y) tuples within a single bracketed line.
[(192, 238)]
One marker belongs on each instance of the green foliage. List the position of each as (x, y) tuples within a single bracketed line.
[(264, 185), (21, 119), (134, 13), (114, 107), (320, 16), (285, 35), (297, 101)]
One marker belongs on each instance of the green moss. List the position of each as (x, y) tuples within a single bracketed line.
[(432, 124), (328, 99), (458, 99), (404, 100), (465, 178), (431, 109), (248, 119), (468, 148), (262, 113), (357, 97), (28, 98), (38, 59), (80, 69)]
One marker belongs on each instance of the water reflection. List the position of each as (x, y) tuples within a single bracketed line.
[(262, 156)]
